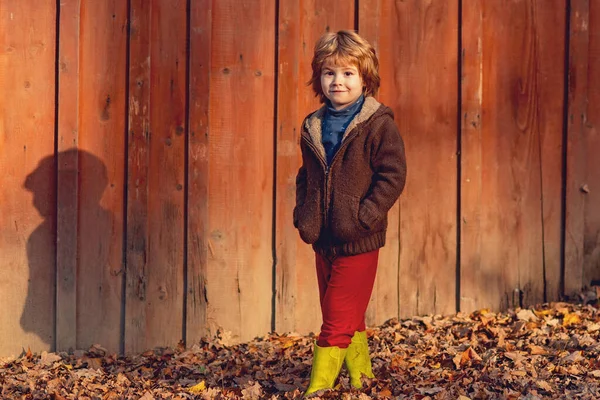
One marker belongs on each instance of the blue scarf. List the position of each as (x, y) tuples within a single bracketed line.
[(334, 125)]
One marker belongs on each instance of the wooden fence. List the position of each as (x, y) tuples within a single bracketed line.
[(148, 150)]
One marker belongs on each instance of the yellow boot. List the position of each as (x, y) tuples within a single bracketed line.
[(358, 360), (327, 362)]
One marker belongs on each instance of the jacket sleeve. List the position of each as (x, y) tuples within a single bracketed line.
[(388, 162), (300, 190)]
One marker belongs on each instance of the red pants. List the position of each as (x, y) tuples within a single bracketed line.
[(345, 286)]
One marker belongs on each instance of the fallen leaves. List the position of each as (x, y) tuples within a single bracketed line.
[(547, 352)]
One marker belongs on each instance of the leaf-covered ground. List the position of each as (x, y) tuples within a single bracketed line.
[(547, 352)]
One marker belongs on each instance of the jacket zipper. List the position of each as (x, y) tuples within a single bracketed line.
[(327, 168)]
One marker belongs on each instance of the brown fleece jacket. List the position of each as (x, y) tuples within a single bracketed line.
[(342, 210)]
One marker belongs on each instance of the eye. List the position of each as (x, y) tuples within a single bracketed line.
[(348, 73), (328, 73)]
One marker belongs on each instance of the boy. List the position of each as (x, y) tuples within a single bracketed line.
[(353, 171)]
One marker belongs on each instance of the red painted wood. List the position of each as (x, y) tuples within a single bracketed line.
[(423, 92), (511, 154), (67, 177), (154, 304), (198, 169), (240, 199), (101, 162), (582, 225), (28, 188)]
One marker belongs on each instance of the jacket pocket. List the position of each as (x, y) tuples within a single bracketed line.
[(308, 221), (345, 225), (367, 218)]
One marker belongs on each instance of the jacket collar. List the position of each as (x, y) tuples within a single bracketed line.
[(314, 122)]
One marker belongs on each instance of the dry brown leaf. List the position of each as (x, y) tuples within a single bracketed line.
[(466, 356), (574, 357), (48, 359), (544, 385), (526, 315), (593, 327), (537, 350), (253, 392), (516, 357)]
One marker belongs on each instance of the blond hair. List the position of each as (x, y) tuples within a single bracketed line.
[(345, 48)]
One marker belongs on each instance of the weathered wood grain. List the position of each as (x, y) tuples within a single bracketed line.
[(154, 304), (138, 159), (582, 224), (101, 172), (240, 249), (198, 169), (67, 176), (28, 182), (423, 91), (511, 152)]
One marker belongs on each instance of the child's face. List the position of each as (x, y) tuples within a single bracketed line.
[(341, 84)]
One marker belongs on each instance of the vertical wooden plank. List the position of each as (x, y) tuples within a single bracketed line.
[(137, 180), (592, 126), (241, 167), (67, 183), (198, 169), (503, 253), (550, 22), (474, 283), (384, 300), (28, 189), (582, 225), (154, 310), (300, 25), (422, 40), (103, 36)]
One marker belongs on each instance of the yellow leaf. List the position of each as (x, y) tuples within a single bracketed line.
[(571, 319), (543, 313), (436, 366), (199, 388)]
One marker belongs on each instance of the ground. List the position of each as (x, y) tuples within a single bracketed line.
[(548, 352)]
